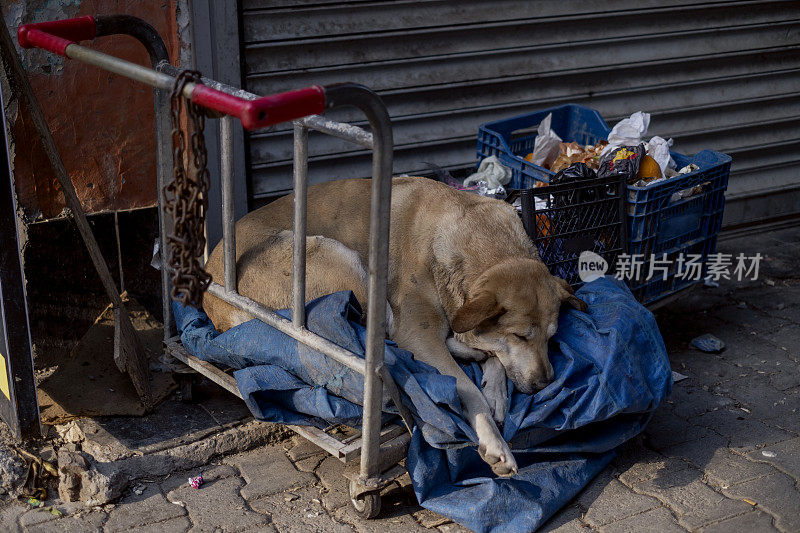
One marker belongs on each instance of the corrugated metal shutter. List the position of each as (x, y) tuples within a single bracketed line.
[(720, 75)]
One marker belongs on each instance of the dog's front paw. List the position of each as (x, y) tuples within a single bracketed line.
[(494, 450), (498, 456), (495, 388)]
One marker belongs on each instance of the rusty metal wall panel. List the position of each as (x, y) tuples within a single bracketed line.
[(720, 75), (102, 123)]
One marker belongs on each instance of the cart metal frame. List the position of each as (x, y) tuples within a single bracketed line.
[(379, 449)]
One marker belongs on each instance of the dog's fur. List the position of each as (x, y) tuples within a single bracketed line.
[(458, 263), (264, 274)]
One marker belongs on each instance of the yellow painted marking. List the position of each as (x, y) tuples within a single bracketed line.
[(4, 377)]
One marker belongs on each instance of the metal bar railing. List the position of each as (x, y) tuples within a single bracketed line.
[(271, 318), (228, 218), (300, 211), (59, 37), (348, 132), (105, 25), (369, 103)]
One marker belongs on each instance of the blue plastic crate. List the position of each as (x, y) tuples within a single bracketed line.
[(512, 139), (656, 225), (660, 224)]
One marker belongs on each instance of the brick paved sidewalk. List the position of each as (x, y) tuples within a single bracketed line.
[(722, 454)]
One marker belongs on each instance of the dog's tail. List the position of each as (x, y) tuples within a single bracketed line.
[(441, 174)]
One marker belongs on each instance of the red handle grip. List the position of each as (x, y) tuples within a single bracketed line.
[(265, 111), (56, 35)]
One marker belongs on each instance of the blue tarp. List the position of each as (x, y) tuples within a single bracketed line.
[(611, 372)]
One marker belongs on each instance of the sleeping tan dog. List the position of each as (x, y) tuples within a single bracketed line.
[(464, 280), (330, 267)]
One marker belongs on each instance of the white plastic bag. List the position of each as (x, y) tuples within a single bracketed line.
[(658, 149), (628, 131), (546, 145), (490, 171)]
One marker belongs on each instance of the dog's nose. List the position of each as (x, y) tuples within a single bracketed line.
[(540, 383), (549, 373)]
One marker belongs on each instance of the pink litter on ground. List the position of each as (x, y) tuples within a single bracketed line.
[(195, 482)]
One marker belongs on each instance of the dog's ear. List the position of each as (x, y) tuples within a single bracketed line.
[(475, 311), (568, 295)]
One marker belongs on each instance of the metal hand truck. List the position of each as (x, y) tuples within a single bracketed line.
[(380, 449)]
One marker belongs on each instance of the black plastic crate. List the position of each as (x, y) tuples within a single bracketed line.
[(586, 215)]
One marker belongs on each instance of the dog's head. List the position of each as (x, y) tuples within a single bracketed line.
[(511, 312)]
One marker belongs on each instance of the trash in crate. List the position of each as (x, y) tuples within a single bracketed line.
[(648, 171), (678, 212), (572, 174), (546, 145), (622, 162), (688, 169), (550, 152), (688, 192), (658, 149), (494, 175), (628, 131), (480, 187), (571, 153), (553, 154)]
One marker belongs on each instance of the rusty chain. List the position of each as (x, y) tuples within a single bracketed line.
[(186, 197)]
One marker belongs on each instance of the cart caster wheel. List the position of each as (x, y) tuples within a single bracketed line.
[(368, 505), (185, 386)]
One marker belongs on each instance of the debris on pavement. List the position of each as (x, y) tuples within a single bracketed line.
[(52, 510), (768, 453), (35, 502), (196, 481), (708, 343), (38, 471), (677, 376), (83, 479)]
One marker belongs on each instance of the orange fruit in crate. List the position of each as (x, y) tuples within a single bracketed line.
[(648, 169), (543, 228)]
